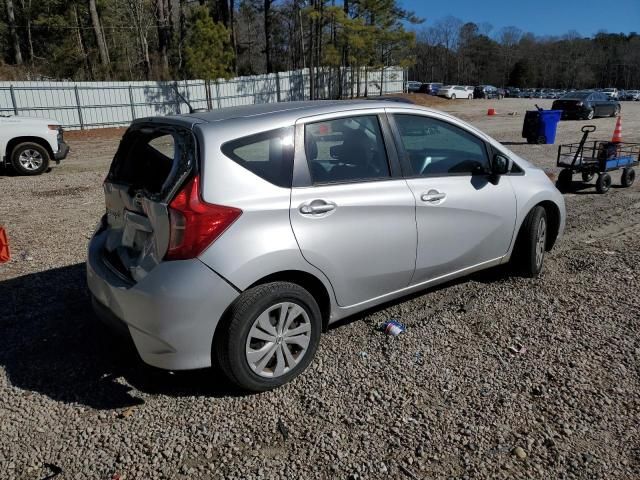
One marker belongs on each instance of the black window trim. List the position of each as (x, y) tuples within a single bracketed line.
[(406, 165), (302, 171), (229, 146)]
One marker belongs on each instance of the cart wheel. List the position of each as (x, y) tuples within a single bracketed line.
[(603, 183), (628, 177), (564, 180), (587, 177), (541, 140)]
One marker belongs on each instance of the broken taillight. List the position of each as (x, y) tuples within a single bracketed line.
[(194, 223)]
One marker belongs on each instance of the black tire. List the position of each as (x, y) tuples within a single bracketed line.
[(628, 177), (565, 179), (603, 184), (616, 111), (453, 96), (589, 115), (541, 140), (230, 342), (470, 97), (30, 150), (587, 177), (528, 258)]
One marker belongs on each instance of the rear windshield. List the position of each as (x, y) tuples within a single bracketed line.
[(154, 159)]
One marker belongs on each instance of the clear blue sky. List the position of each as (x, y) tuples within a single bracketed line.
[(542, 17)]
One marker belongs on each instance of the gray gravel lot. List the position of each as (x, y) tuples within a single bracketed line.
[(450, 398)]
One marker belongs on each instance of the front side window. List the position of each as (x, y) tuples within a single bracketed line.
[(346, 150), (268, 155), (436, 148)]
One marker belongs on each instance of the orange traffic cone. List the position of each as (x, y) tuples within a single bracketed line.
[(617, 132), (5, 255)]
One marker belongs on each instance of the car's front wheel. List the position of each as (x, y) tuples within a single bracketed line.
[(531, 243), (589, 115), (270, 336), (29, 158), (453, 96)]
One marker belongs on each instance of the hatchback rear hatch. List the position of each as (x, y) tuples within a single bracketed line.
[(151, 165)]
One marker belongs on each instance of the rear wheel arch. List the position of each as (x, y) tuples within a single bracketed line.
[(310, 283)]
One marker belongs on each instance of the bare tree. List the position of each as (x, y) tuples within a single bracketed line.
[(162, 21), (267, 35), (99, 34), (13, 32)]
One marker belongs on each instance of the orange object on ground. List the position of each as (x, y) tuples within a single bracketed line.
[(5, 255), (617, 132), (491, 111)]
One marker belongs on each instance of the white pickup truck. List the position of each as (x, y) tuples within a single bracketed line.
[(29, 145)]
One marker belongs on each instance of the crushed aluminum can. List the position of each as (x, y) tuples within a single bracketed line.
[(393, 328)]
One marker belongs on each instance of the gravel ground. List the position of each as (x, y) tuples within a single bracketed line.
[(496, 376)]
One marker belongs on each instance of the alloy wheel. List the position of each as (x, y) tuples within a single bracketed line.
[(278, 339), (541, 240), (30, 159)]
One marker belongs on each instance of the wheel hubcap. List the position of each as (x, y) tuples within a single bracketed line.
[(541, 241), (278, 339), (30, 159)]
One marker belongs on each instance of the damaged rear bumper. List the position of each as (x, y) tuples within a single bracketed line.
[(171, 314)]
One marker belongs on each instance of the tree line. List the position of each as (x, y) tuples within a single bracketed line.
[(208, 39), (454, 52), (176, 39)]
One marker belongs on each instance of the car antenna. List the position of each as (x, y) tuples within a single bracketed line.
[(191, 109)]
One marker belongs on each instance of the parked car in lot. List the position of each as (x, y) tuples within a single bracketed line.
[(430, 88), (611, 93), (488, 91), (29, 145), (413, 86), (632, 95), (240, 234), (511, 92), (455, 91), (587, 104)]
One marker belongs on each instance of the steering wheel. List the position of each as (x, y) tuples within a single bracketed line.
[(425, 164)]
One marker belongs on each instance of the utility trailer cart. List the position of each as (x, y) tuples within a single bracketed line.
[(597, 157)]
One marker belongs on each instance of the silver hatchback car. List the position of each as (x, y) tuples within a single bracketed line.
[(236, 237)]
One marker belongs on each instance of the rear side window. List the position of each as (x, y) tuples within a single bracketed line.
[(346, 150), (268, 155), (154, 159)]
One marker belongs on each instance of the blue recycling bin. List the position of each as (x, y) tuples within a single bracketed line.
[(540, 126)]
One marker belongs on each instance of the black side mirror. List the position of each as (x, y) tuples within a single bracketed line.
[(500, 165)]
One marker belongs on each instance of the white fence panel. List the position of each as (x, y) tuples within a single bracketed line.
[(79, 105)]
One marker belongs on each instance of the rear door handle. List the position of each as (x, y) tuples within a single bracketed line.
[(433, 196), (317, 207)]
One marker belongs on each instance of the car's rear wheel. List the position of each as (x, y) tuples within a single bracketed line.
[(589, 115), (470, 97), (531, 243), (269, 336), (453, 96), (29, 158), (616, 111)]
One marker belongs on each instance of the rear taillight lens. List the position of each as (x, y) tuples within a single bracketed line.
[(194, 223)]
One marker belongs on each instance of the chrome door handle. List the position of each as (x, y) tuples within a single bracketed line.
[(433, 196), (317, 206)]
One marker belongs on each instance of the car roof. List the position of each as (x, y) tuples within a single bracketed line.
[(278, 113)]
